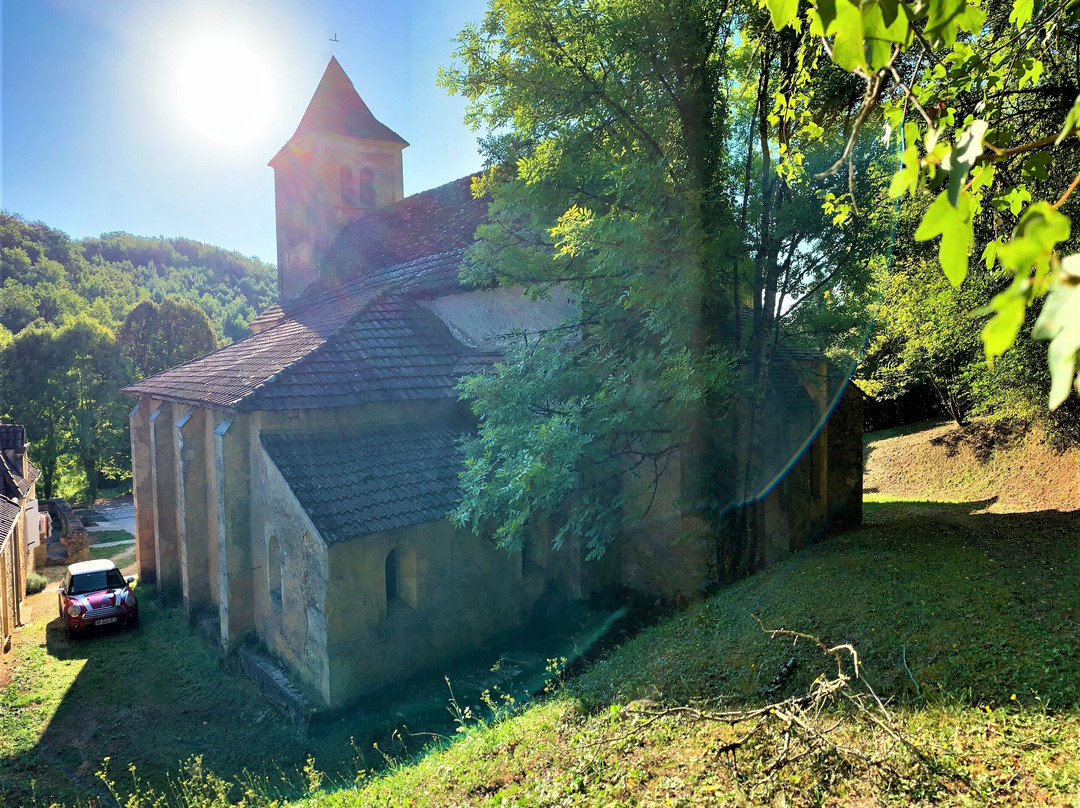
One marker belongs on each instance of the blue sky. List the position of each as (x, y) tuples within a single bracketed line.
[(104, 125)]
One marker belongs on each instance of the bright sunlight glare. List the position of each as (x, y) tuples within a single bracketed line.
[(223, 89)]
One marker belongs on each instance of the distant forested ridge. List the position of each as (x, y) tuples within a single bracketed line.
[(44, 274), (79, 319)]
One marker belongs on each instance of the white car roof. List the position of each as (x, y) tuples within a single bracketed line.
[(91, 566)]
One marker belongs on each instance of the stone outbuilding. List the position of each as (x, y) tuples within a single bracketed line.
[(294, 486), (20, 535)]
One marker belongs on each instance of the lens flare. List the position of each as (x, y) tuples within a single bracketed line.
[(223, 88)]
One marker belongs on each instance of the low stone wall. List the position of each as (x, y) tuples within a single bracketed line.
[(73, 533), (276, 685)]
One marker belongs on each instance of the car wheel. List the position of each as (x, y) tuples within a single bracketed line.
[(67, 631), (134, 621)]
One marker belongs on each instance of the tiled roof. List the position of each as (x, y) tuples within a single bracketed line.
[(356, 339), (374, 480), (33, 472), (12, 436), (395, 350), (12, 483), (337, 109), (266, 319), (9, 512), (439, 222)]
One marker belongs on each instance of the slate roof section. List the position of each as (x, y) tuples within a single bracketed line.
[(337, 109), (12, 436), (13, 484), (373, 480), (9, 513), (339, 342), (433, 224), (395, 351)]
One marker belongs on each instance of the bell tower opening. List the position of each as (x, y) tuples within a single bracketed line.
[(340, 163)]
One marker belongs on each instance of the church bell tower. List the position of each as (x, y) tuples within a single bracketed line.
[(340, 163)]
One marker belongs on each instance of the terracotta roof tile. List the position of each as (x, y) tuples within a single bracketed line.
[(372, 480)]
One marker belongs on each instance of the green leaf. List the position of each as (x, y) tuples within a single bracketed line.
[(954, 225), (1021, 13), (1034, 167), (1001, 330), (879, 35), (943, 20), (848, 46), (906, 178), (962, 157), (1030, 71), (983, 177), (1072, 121), (1059, 322), (782, 12), (1032, 243), (822, 17), (1013, 201)]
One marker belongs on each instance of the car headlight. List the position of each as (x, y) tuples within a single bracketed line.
[(74, 610)]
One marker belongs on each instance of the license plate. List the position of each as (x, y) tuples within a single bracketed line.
[(105, 621)]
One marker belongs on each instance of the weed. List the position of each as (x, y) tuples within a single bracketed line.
[(35, 582)]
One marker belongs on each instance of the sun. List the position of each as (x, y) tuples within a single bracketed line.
[(223, 88)]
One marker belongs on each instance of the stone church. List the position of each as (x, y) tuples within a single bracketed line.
[(293, 486)]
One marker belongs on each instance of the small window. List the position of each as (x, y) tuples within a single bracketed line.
[(273, 570), (367, 188), (391, 577), (348, 187)]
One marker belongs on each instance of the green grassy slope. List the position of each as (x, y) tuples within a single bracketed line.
[(967, 623)]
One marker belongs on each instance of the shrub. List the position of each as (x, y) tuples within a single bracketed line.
[(35, 582)]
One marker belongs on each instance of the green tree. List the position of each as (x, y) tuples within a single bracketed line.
[(978, 99), (156, 337), (632, 168), (32, 394), (63, 385)]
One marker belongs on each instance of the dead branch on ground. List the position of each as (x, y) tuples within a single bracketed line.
[(807, 725)]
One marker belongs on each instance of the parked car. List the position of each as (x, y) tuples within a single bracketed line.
[(95, 594)]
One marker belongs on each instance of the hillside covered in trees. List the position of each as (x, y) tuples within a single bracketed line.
[(81, 319)]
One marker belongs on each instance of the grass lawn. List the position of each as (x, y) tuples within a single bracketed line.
[(984, 608), (154, 696), (106, 536), (965, 616)]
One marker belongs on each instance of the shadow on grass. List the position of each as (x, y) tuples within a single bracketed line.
[(981, 606), (157, 695)]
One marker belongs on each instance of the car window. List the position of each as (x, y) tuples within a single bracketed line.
[(95, 582)]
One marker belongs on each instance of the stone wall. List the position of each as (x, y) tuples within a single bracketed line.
[(452, 592), (846, 459), (73, 533), (290, 572)]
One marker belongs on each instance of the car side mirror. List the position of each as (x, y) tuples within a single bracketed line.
[(130, 579), (61, 589)]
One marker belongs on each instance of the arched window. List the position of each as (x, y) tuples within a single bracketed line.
[(367, 188), (348, 187), (391, 577), (273, 570)]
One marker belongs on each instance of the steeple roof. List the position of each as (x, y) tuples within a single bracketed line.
[(337, 109)]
